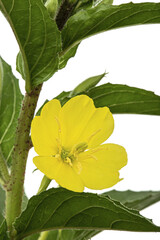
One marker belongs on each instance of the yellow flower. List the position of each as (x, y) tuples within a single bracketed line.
[(67, 140)]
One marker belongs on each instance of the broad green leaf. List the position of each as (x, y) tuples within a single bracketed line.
[(63, 209), (67, 235), (131, 199), (125, 99), (104, 17), (136, 200), (87, 84), (10, 103), (121, 99), (3, 231), (38, 39)]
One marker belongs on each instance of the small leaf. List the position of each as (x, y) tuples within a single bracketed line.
[(10, 103), (2, 205), (65, 57), (136, 200), (87, 84), (88, 4), (3, 231), (104, 17), (38, 39), (63, 209)]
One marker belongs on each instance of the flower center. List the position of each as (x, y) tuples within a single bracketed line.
[(68, 156)]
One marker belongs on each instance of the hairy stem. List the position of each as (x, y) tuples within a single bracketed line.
[(3, 170), (65, 12), (22, 145)]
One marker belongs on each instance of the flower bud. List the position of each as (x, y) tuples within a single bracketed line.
[(52, 6)]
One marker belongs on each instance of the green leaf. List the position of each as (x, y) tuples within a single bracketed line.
[(63, 209), (87, 4), (81, 6), (125, 99), (131, 199), (3, 231), (87, 84), (2, 209), (121, 99), (136, 200), (2, 205), (38, 39), (104, 17), (67, 235), (53, 235), (69, 54), (10, 103), (33, 237)]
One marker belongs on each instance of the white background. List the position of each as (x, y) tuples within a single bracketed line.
[(131, 56)]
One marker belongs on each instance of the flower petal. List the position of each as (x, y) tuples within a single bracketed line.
[(69, 179), (45, 129), (48, 165), (99, 127), (82, 122), (99, 166), (61, 172)]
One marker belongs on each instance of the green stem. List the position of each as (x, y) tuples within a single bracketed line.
[(22, 141), (4, 170), (44, 184)]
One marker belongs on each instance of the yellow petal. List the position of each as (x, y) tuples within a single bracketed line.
[(61, 172), (99, 127), (48, 165), (82, 122), (99, 166), (69, 179), (45, 129)]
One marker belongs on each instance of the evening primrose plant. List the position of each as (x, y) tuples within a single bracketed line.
[(70, 133)]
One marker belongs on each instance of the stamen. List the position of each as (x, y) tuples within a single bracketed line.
[(79, 167), (81, 147), (93, 157), (59, 144), (68, 160)]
